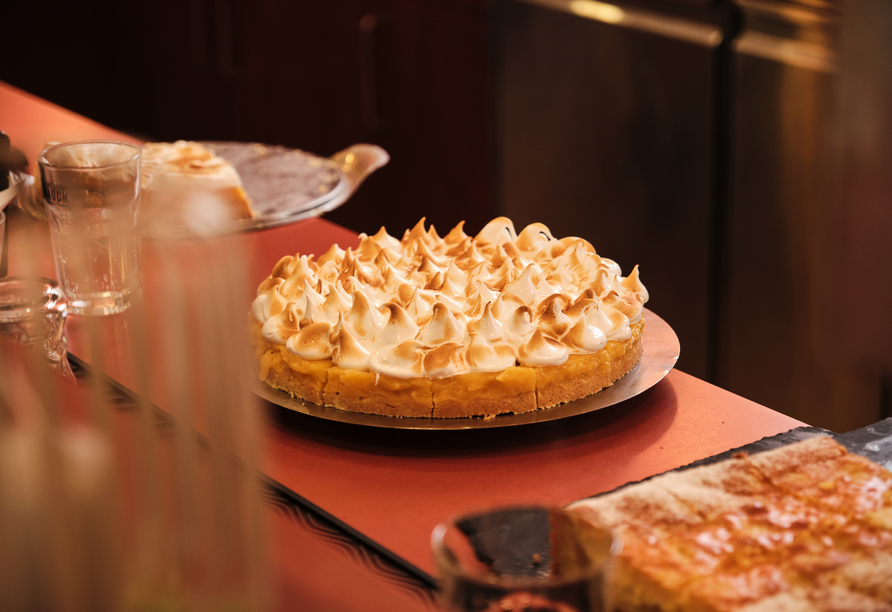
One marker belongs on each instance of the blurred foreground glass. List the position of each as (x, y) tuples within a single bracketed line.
[(91, 192), (3, 254), (533, 559), (33, 313)]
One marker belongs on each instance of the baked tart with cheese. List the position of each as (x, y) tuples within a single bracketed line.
[(803, 528), (458, 326)]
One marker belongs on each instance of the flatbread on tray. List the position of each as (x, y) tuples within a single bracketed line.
[(807, 526)]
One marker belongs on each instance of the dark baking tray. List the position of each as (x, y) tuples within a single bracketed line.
[(873, 442)]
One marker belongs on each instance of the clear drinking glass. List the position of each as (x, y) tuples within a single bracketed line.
[(33, 313), (91, 192), (524, 559)]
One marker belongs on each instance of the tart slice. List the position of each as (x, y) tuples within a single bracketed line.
[(185, 184)]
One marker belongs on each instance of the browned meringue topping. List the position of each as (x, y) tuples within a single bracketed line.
[(540, 350), (444, 360), (288, 323), (456, 236), (551, 316), (442, 328), (347, 351), (431, 306), (312, 341), (485, 357), (361, 315), (280, 269)]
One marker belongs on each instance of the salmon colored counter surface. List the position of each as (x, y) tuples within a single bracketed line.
[(393, 486)]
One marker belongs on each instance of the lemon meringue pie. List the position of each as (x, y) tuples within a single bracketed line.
[(458, 326), (186, 184)]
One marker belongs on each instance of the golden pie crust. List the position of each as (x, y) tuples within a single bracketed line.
[(514, 390)]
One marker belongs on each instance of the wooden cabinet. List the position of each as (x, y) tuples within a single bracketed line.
[(778, 345), (408, 75), (699, 146), (607, 131)]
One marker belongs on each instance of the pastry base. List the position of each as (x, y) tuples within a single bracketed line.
[(515, 390)]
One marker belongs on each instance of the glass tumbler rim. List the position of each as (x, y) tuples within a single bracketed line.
[(42, 159), (43, 294), (445, 559)]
